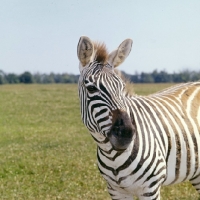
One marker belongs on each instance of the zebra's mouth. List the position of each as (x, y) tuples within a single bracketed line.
[(122, 130)]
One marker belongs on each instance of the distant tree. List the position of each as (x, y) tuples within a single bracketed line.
[(37, 78), (185, 76), (45, 78), (12, 78), (69, 78), (2, 77), (26, 77), (195, 76), (161, 77), (58, 78), (146, 78), (176, 78), (50, 78), (135, 78)]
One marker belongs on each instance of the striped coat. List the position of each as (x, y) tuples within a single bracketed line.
[(143, 142)]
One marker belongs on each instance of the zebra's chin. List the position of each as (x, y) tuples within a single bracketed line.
[(122, 130)]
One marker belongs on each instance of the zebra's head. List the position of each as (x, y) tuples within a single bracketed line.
[(101, 92)]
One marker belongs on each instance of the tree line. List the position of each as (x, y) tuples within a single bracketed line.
[(163, 77), (153, 77), (27, 77)]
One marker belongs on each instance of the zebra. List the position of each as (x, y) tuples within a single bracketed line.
[(143, 142)]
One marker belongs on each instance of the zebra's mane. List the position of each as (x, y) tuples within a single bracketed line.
[(129, 87), (101, 56), (101, 52)]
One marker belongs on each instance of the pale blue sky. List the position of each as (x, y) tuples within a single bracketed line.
[(42, 35)]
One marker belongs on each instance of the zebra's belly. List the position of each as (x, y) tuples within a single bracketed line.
[(181, 167)]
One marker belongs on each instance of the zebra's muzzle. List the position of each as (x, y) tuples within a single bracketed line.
[(122, 130)]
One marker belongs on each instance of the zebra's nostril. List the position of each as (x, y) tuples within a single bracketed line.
[(117, 131), (116, 128)]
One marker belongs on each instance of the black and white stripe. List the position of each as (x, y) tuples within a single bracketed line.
[(165, 146)]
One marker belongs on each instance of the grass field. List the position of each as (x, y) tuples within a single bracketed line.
[(47, 153)]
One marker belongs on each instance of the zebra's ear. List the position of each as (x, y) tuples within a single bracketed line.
[(85, 50), (118, 56)]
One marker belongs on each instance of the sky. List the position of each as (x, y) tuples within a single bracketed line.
[(42, 35)]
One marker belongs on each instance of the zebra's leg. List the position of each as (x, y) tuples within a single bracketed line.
[(196, 182), (118, 193)]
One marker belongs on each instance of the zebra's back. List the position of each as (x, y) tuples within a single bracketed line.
[(177, 111)]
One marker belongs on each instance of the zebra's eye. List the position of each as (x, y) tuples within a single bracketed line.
[(92, 89)]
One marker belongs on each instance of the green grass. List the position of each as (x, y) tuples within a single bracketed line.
[(47, 153)]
